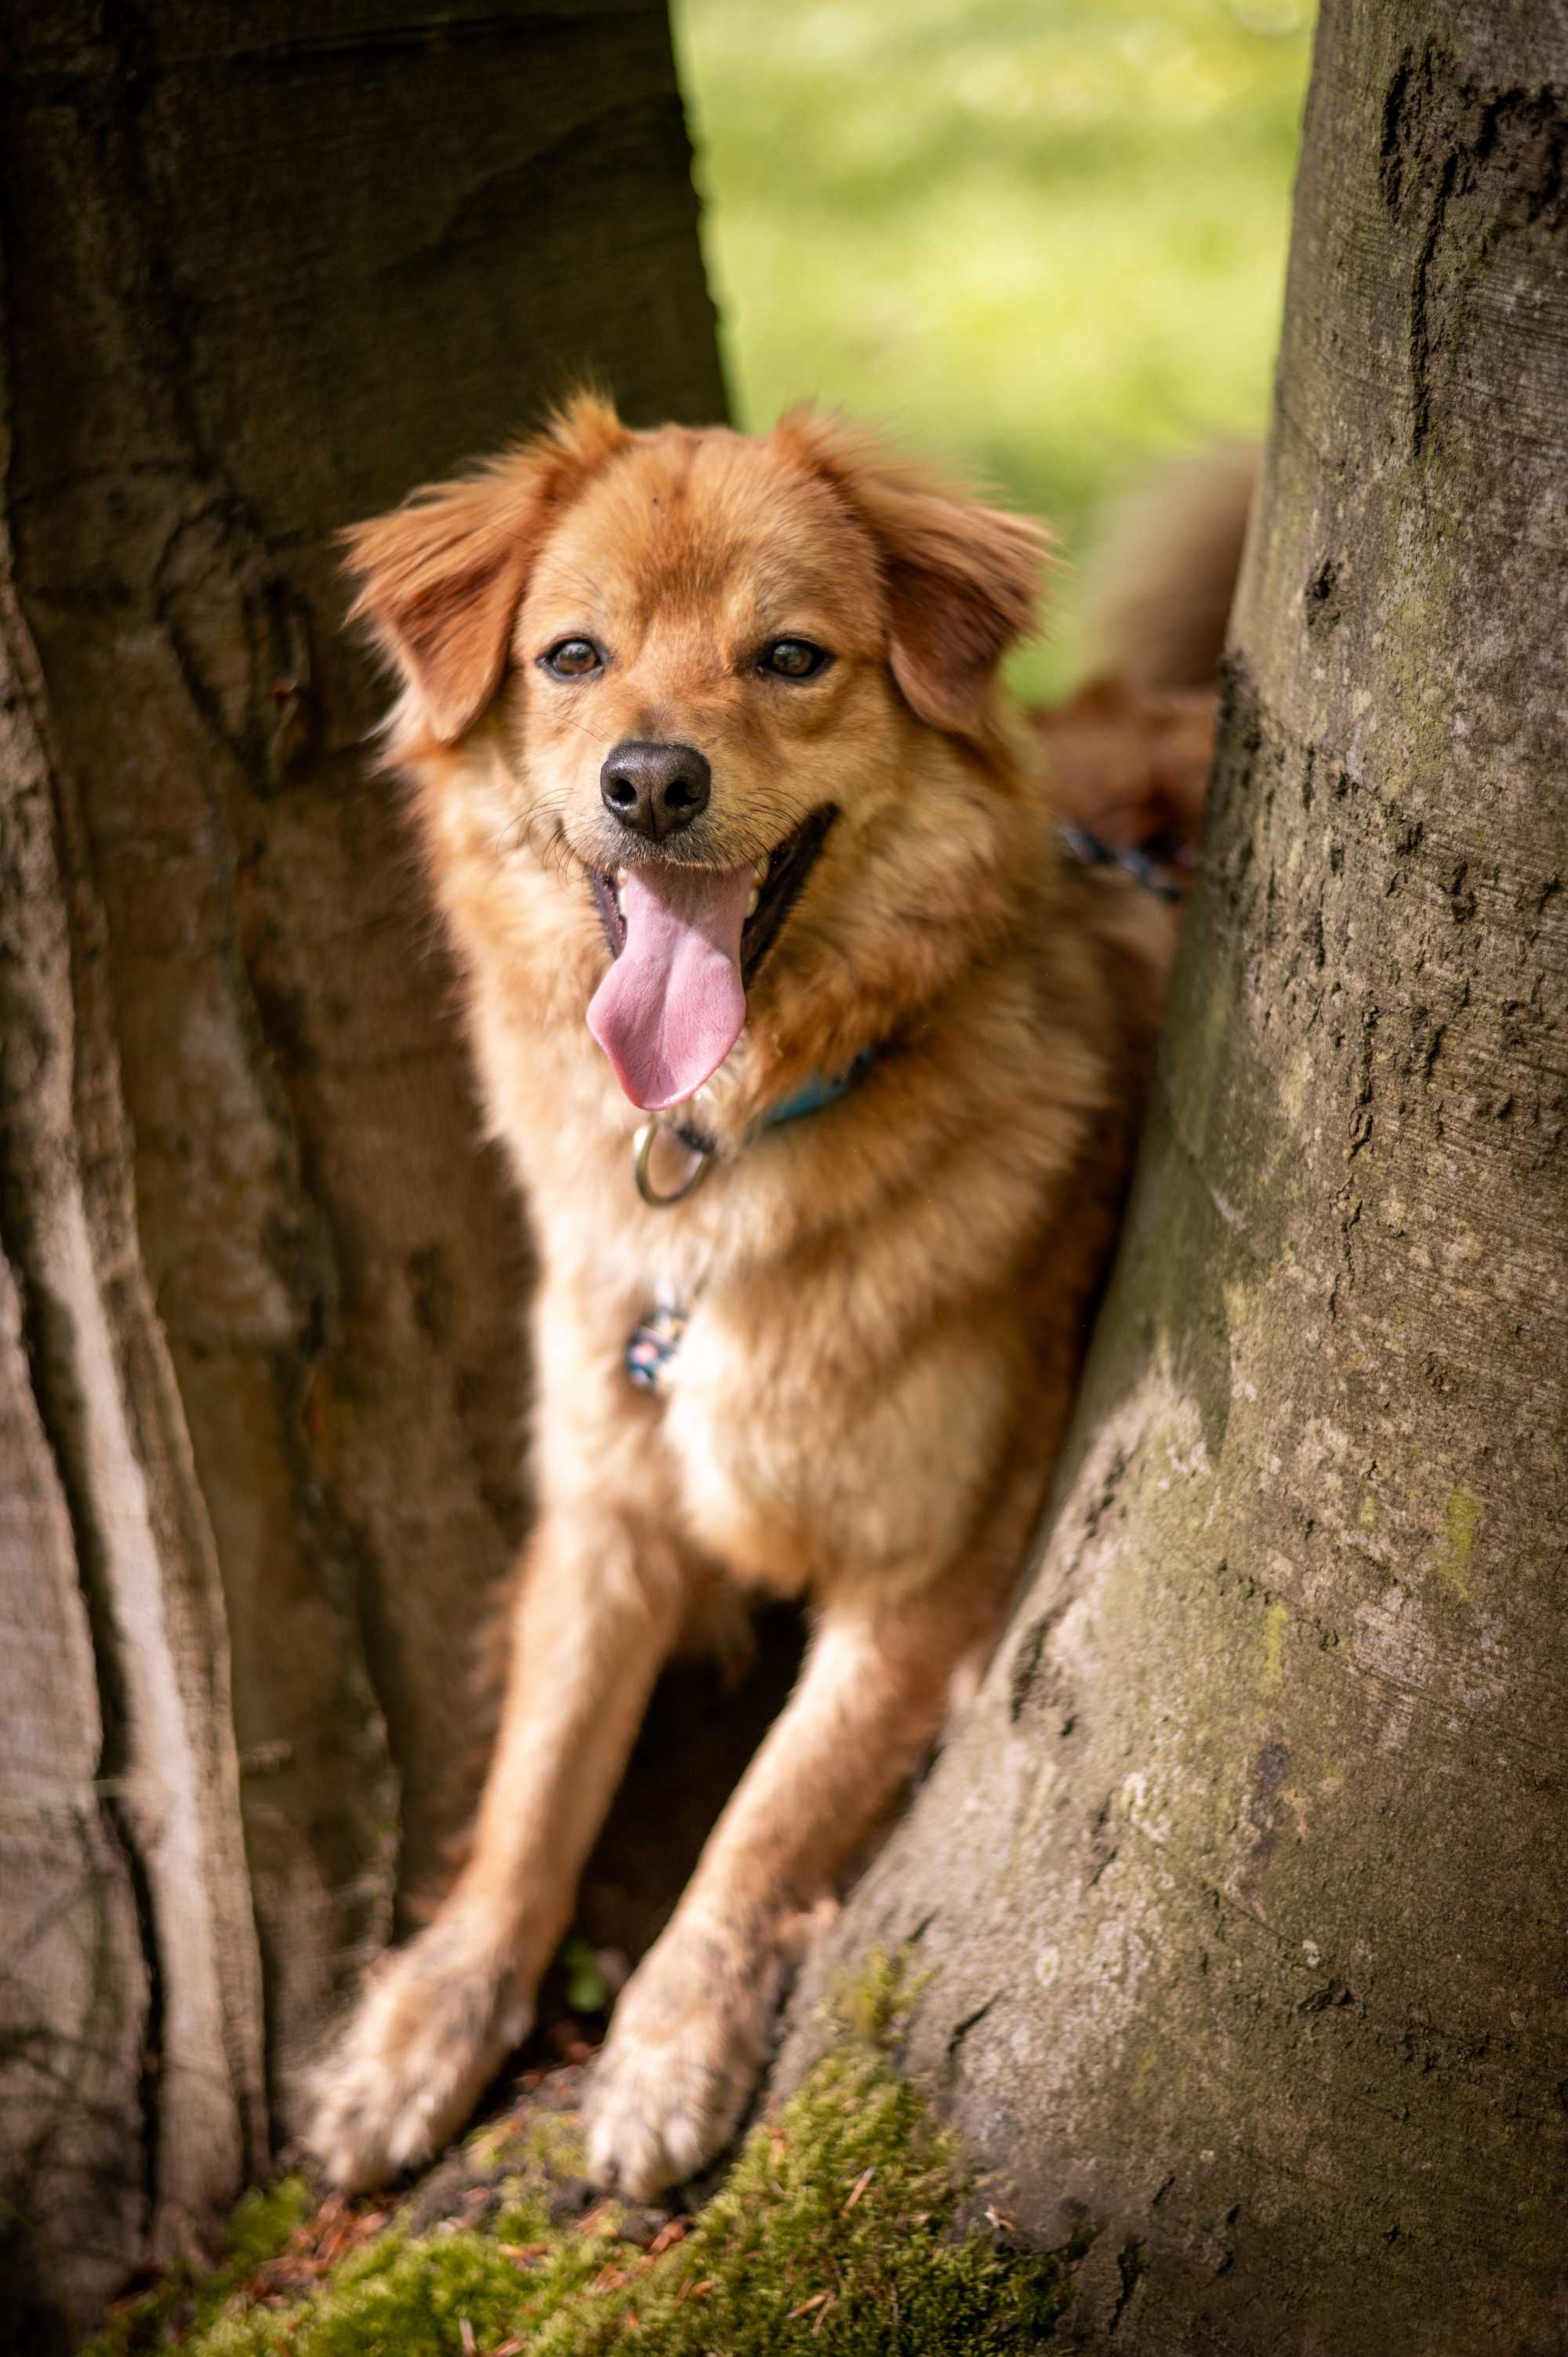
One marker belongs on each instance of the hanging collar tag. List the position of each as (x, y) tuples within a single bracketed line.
[(670, 1162), (651, 1347)]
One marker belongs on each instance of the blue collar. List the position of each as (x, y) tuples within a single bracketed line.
[(820, 1090), (811, 1096)]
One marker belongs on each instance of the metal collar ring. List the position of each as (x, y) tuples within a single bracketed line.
[(642, 1150)]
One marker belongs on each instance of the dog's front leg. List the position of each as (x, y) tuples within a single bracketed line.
[(599, 1607), (691, 2030)]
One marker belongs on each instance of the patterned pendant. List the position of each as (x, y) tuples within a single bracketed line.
[(652, 1346)]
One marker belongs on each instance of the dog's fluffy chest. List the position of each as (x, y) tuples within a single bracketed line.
[(804, 1458), (827, 1408)]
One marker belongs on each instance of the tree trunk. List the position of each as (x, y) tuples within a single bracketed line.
[(1239, 1896), (263, 270)]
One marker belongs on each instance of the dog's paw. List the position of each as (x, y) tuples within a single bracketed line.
[(686, 2047), (433, 2024)]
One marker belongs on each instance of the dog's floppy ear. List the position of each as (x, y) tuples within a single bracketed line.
[(442, 577), (962, 579)]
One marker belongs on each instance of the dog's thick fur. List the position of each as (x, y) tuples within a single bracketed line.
[(1129, 754), (886, 1300)]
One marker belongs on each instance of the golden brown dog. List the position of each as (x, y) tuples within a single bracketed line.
[(730, 820)]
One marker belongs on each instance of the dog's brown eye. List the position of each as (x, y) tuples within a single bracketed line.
[(573, 659), (794, 659)]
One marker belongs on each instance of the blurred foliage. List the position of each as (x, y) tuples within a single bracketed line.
[(1045, 238)]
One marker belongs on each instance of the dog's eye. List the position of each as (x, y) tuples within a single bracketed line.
[(794, 659), (573, 659)]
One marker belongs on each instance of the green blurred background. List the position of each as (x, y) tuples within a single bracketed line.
[(1046, 238)]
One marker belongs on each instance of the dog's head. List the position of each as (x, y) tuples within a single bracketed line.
[(740, 681)]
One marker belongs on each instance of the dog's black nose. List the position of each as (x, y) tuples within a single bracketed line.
[(656, 789)]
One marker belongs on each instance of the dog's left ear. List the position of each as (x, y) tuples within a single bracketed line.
[(442, 577), (962, 579)]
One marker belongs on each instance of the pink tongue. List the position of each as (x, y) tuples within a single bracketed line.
[(671, 1006)]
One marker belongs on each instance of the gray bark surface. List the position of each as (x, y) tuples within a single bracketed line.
[(1239, 1895), (262, 270)]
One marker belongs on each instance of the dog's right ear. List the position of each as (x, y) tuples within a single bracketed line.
[(961, 577), (442, 577)]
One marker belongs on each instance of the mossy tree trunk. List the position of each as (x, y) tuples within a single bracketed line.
[(263, 269), (1240, 1892)]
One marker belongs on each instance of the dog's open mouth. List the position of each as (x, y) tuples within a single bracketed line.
[(686, 942)]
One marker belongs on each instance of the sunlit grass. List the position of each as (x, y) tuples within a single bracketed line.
[(1046, 238)]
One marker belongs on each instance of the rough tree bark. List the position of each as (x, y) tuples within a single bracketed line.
[(263, 270), (1239, 1894)]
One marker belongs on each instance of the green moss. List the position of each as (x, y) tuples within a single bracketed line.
[(838, 2229), (585, 1989), (263, 2224), (832, 2233), (412, 2297), (186, 2304), (871, 2006)]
